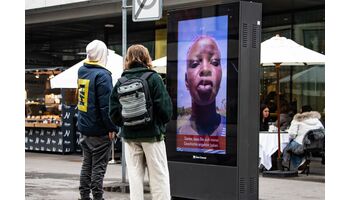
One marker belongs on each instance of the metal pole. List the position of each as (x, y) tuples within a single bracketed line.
[(278, 107), (106, 36), (291, 68), (279, 159), (112, 161), (124, 37)]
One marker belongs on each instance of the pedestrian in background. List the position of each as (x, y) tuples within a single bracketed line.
[(302, 123), (264, 117), (143, 127), (94, 88), (285, 118)]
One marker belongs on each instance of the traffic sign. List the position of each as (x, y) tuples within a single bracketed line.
[(146, 10)]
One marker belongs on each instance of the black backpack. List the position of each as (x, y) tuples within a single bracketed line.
[(134, 96)]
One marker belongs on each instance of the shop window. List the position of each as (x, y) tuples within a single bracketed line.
[(299, 85), (311, 35), (42, 104), (283, 31)]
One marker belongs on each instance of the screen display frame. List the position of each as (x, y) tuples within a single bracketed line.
[(232, 13), (202, 85)]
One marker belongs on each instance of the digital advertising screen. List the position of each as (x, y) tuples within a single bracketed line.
[(202, 85), (202, 80)]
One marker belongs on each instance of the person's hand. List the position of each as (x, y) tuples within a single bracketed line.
[(111, 135)]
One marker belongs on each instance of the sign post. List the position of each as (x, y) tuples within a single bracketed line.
[(142, 10), (124, 43), (146, 10)]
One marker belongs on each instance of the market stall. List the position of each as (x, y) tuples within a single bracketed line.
[(55, 134), (43, 110), (51, 120)]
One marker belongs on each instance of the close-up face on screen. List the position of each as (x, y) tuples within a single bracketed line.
[(202, 85)]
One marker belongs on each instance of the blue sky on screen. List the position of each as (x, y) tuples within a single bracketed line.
[(189, 30)]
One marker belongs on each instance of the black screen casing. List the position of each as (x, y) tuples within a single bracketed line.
[(235, 174)]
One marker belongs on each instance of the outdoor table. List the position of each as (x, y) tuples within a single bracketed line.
[(268, 145)]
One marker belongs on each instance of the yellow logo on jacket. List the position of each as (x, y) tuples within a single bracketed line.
[(83, 88)]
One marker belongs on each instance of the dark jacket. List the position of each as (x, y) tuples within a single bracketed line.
[(314, 139), (264, 126), (95, 86), (162, 106)]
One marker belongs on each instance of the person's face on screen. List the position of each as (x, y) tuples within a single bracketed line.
[(204, 72)]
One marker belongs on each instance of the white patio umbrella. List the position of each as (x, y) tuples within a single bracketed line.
[(159, 65), (68, 78), (287, 52), (278, 51)]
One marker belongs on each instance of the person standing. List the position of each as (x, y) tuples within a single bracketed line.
[(144, 142), (94, 88)]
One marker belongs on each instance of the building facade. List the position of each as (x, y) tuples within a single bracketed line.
[(57, 33)]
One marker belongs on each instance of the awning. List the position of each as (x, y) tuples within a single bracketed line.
[(68, 78)]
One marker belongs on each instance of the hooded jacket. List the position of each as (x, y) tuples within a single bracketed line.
[(162, 107), (302, 123), (95, 86)]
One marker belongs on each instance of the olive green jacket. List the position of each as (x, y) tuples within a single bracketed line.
[(162, 108)]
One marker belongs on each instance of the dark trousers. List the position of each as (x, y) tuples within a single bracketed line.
[(96, 156)]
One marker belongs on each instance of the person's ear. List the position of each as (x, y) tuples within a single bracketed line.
[(186, 82)]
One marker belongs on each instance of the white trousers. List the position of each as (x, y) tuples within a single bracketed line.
[(137, 154)]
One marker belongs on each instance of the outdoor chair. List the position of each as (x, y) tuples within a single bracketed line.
[(313, 144)]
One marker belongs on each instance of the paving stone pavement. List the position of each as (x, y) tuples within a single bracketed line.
[(54, 176)]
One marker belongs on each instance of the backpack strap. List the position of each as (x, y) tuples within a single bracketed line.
[(122, 79), (146, 75), (144, 78)]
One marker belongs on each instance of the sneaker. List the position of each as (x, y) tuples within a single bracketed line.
[(302, 164)]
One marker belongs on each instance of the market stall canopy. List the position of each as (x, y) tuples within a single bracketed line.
[(287, 52), (68, 78), (159, 65)]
